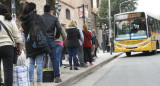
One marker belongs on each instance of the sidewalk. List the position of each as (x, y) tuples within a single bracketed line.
[(70, 76)]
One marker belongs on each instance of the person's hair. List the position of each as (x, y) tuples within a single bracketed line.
[(72, 24), (29, 7), (85, 29), (47, 8), (4, 12), (63, 24)]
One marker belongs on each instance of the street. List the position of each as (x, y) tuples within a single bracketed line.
[(140, 69)]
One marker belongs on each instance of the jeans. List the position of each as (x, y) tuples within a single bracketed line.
[(59, 53), (6, 54), (54, 60), (39, 63), (72, 51), (80, 55)]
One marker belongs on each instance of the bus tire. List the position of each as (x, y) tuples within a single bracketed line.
[(128, 54), (155, 51)]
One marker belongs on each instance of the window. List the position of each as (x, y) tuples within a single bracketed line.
[(68, 14)]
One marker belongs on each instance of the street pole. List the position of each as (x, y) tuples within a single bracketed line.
[(13, 8), (110, 28), (83, 14)]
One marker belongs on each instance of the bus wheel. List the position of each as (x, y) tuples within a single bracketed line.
[(128, 54), (155, 51), (145, 51)]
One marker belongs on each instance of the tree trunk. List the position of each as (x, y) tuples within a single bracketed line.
[(52, 4)]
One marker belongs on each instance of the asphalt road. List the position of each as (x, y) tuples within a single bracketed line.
[(138, 70)]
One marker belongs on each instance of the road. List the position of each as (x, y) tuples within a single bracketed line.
[(138, 70)]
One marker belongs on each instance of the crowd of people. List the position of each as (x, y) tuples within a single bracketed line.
[(80, 44)]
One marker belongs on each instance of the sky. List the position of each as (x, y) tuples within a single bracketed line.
[(150, 6)]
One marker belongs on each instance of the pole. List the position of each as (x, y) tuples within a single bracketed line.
[(110, 28), (83, 14), (13, 8)]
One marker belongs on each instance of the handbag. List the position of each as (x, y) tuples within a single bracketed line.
[(15, 48)]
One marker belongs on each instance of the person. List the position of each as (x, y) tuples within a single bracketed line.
[(62, 39), (59, 46), (87, 45), (7, 45), (72, 43), (96, 44), (47, 62), (52, 22), (29, 15), (80, 48)]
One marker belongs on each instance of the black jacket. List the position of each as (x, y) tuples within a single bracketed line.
[(73, 37), (52, 22), (26, 20)]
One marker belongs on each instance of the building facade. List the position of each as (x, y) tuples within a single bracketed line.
[(71, 10)]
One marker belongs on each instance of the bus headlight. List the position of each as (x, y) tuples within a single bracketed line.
[(145, 43)]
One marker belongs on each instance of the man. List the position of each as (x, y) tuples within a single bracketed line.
[(52, 22)]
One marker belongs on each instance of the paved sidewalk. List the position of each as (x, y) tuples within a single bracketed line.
[(70, 76)]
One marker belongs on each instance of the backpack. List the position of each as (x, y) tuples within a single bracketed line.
[(37, 37)]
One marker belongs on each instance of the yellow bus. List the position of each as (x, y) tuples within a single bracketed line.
[(136, 32)]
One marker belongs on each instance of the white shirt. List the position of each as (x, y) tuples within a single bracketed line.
[(13, 30)]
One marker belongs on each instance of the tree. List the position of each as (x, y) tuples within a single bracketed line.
[(115, 8), (52, 4), (19, 6)]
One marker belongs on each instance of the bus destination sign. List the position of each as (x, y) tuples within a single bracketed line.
[(129, 16)]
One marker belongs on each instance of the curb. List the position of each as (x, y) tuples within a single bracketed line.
[(85, 73)]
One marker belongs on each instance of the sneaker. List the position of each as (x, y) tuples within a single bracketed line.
[(76, 68), (57, 80), (70, 68), (91, 63)]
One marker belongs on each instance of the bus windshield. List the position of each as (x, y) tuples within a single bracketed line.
[(130, 29)]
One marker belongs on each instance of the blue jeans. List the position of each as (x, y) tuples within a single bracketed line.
[(72, 51), (59, 53), (39, 62), (54, 60)]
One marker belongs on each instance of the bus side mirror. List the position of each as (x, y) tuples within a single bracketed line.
[(151, 22)]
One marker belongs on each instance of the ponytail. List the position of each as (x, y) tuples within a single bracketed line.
[(7, 16), (4, 12)]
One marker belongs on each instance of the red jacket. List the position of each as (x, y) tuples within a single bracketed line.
[(87, 39)]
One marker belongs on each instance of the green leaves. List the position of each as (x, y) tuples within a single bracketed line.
[(126, 5)]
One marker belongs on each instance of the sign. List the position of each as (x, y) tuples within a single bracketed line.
[(129, 16), (80, 11)]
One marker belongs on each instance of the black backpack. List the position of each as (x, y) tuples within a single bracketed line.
[(37, 38)]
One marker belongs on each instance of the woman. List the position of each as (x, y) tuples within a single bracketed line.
[(87, 45), (29, 12), (59, 44), (6, 44), (72, 43)]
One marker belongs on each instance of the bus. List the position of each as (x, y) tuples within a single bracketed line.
[(136, 32)]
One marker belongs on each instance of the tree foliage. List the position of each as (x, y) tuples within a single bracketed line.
[(130, 4), (52, 4), (19, 6)]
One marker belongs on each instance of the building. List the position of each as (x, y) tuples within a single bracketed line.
[(71, 10)]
